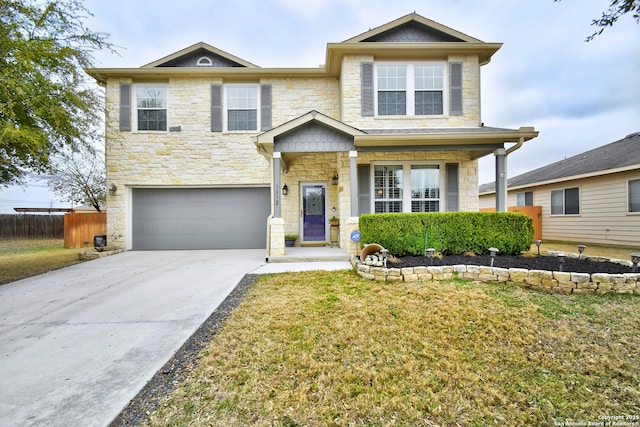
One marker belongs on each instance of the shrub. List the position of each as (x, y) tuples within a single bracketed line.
[(450, 233)]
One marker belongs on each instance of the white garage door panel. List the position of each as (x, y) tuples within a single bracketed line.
[(200, 218)]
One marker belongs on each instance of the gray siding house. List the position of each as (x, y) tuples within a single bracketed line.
[(592, 197)]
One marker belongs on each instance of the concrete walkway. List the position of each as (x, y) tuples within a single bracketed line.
[(78, 343)]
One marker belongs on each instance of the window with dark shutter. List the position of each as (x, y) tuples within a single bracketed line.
[(455, 88), (216, 108), (125, 107), (366, 77), (265, 107)]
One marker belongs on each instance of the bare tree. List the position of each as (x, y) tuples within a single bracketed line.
[(79, 176), (616, 9)]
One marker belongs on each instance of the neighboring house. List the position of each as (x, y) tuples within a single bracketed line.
[(593, 197), (206, 150)]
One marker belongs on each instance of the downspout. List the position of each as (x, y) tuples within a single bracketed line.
[(515, 147)]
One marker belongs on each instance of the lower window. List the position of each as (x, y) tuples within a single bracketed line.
[(420, 192), (565, 201), (634, 196)]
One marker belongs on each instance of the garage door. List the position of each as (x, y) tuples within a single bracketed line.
[(200, 218)]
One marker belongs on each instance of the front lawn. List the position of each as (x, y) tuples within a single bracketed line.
[(330, 348)]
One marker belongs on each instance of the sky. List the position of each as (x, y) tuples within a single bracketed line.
[(578, 95)]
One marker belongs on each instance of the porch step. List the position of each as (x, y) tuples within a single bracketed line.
[(311, 254)]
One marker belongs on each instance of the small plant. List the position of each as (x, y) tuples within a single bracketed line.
[(334, 220), (293, 237)]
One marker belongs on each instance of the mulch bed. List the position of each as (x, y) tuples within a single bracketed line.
[(550, 263)]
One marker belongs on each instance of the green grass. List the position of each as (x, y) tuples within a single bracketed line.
[(29, 257), (331, 348)]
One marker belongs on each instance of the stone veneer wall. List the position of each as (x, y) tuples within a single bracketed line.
[(550, 281)]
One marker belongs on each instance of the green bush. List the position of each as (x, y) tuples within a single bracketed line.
[(450, 233)]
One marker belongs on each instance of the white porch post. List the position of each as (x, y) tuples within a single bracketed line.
[(353, 177), (501, 180), (277, 211)]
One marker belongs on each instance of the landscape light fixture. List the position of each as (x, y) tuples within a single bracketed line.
[(430, 253), (561, 259), (635, 257), (538, 243), (581, 249), (493, 252)]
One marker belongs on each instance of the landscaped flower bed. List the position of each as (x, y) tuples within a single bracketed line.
[(547, 280)]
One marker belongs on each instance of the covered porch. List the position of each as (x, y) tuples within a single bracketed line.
[(324, 169)]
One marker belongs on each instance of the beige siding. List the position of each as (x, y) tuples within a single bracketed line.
[(603, 217)]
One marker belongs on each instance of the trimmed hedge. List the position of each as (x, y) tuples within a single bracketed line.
[(450, 233)]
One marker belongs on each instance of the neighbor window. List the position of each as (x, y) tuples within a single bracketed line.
[(525, 198), (634, 195), (410, 89), (242, 107), (406, 188), (151, 105), (565, 201)]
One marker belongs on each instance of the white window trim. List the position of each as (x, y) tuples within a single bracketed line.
[(225, 110), (410, 88), (406, 183), (564, 202), (627, 204), (134, 111)]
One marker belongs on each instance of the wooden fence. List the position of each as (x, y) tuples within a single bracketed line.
[(533, 212), (80, 228), (31, 226)]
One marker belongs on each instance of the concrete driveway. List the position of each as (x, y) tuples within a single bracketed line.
[(78, 343)]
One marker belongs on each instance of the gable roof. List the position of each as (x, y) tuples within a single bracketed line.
[(617, 156), (430, 30), (219, 57)]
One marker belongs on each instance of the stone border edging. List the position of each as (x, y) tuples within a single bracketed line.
[(551, 281)]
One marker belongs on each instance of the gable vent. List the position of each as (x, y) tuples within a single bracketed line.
[(204, 61)]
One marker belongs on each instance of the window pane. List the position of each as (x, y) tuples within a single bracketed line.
[(152, 119), (571, 201), (243, 120), (429, 77), (151, 96), (425, 206), (392, 103), (520, 199), (392, 77), (428, 103), (425, 188), (528, 198), (634, 195), (557, 202), (387, 181)]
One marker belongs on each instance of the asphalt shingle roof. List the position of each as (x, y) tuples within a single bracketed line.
[(621, 153)]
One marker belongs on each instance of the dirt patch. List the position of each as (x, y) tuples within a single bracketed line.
[(549, 263)]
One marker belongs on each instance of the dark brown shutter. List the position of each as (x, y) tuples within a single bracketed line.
[(265, 107), (216, 108), (367, 94), (455, 88), (125, 106)]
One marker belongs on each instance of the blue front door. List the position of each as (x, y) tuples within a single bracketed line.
[(314, 222)]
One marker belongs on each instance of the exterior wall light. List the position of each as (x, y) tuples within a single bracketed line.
[(285, 190), (334, 180), (112, 190)]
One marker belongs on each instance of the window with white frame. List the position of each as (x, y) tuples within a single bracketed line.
[(412, 89), (406, 188), (425, 188), (525, 198), (565, 201), (151, 106), (242, 107), (634, 196)]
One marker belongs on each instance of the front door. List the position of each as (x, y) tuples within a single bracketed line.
[(314, 221)]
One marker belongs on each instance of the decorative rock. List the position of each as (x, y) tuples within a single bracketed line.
[(580, 277)]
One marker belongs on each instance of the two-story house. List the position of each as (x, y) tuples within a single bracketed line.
[(207, 150)]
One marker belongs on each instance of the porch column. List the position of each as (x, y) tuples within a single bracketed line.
[(353, 177), (501, 180), (276, 185)]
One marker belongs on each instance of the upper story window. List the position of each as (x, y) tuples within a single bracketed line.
[(151, 106), (565, 201), (413, 89), (242, 107), (634, 196)]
